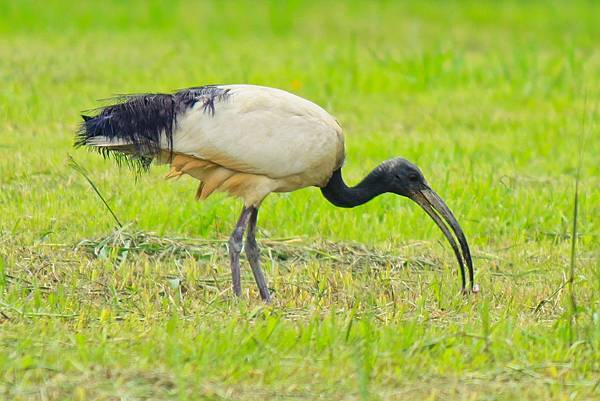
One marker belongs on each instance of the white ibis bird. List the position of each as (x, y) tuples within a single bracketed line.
[(250, 141)]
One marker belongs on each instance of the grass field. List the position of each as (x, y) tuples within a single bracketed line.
[(497, 103)]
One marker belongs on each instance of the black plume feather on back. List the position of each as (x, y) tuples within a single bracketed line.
[(141, 120)]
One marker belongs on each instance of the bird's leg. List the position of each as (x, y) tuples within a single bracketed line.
[(253, 254), (235, 247)]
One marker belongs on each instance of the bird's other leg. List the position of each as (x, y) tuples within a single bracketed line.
[(253, 254), (235, 247)]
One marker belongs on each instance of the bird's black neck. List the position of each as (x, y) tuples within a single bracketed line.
[(337, 192)]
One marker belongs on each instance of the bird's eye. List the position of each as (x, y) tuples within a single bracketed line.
[(413, 176)]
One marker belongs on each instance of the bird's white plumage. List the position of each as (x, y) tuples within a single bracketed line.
[(264, 131)]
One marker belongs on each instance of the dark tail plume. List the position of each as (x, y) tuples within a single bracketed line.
[(140, 121)]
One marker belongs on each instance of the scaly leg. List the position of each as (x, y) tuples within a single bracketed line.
[(253, 254), (235, 247)]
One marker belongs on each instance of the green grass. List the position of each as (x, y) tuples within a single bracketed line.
[(492, 101)]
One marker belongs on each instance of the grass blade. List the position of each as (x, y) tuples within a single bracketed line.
[(78, 168)]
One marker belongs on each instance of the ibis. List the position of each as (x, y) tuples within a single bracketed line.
[(250, 141)]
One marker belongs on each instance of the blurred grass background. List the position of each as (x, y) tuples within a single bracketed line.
[(497, 102)]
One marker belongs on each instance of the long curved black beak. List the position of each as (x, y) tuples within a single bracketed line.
[(435, 207)]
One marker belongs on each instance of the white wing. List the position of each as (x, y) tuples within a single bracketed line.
[(264, 131)]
